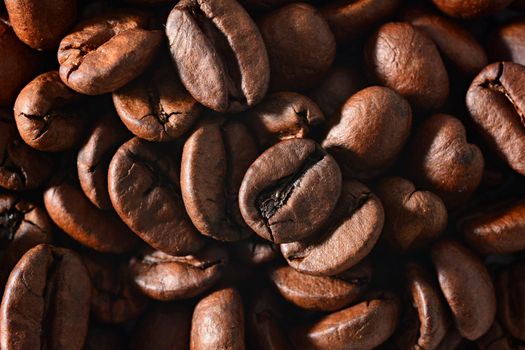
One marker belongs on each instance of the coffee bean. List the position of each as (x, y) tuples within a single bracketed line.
[(511, 299), (166, 277), (218, 322), (256, 251), (214, 161), (470, 8), (368, 135), (281, 190), (397, 50), (144, 189), (507, 42), (347, 238), (219, 53), (103, 54), (496, 339), (50, 116), (300, 44), (495, 101), (46, 303)]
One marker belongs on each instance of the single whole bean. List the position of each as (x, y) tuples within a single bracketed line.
[(507, 42)]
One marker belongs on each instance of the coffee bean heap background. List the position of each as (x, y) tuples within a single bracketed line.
[(262, 174)]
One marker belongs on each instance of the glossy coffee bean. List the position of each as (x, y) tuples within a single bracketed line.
[(104, 53), (214, 160), (495, 101), (511, 299), (467, 287), (218, 322), (219, 53), (442, 160), (470, 8), (368, 135), (165, 277), (507, 42), (144, 189), (283, 115), (300, 44), (347, 238), (290, 191), (41, 23), (21, 167), (156, 107), (395, 51), (50, 116), (46, 303)]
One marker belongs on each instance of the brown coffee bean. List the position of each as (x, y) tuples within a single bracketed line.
[(19, 64), (144, 189), (471, 8), (214, 161), (395, 52), (165, 277), (290, 191), (351, 19), (41, 23), (256, 251), (283, 115), (511, 299), (219, 53), (300, 44), (362, 326), (507, 42), (347, 238), (94, 157), (21, 167), (103, 54), (496, 339), (370, 132), (218, 322), (50, 117), (317, 292), (495, 101), (46, 302), (441, 159), (156, 107), (467, 287), (497, 229)]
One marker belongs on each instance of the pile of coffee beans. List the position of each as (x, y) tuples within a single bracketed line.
[(262, 174)]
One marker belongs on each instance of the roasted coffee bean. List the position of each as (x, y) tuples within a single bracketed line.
[(163, 327), (21, 167), (347, 238), (413, 218), (114, 299), (441, 159), (218, 322), (94, 157), (280, 194), (470, 8), (301, 47), (103, 54), (511, 299), (495, 101), (41, 23), (72, 211), (496, 339), (19, 63), (46, 301), (467, 287), (214, 161), (395, 52), (23, 225), (144, 189), (507, 42), (50, 116), (497, 229), (256, 251), (283, 115), (165, 277), (368, 135), (351, 19), (362, 326), (219, 53), (317, 292), (156, 107)]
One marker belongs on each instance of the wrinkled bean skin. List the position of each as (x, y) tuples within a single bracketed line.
[(41, 23), (470, 8), (507, 42), (496, 102), (511, 299)]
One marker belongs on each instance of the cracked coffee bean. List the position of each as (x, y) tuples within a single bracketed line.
[(279, 194)]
